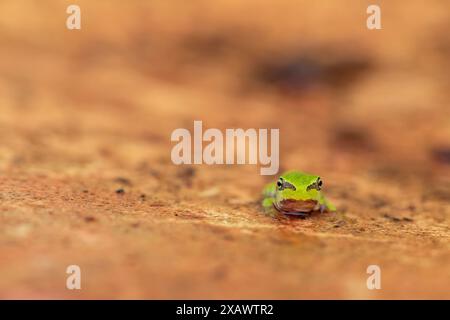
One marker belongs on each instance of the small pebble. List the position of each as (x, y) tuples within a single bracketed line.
[(90, 219), (123, 181)]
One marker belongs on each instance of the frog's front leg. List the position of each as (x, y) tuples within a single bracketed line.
[(324, 204), (269, 197), (267, 203), (268, 206)]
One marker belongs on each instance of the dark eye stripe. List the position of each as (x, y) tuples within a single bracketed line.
[(287, 185), (281, 184), (316, 185)]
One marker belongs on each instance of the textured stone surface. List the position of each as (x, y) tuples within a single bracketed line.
[(85, 170)]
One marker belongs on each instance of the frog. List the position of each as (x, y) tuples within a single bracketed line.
[(296, 193)]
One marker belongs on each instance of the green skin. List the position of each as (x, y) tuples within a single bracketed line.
[(296, 193)]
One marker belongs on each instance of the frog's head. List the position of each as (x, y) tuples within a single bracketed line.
[(297, 192)]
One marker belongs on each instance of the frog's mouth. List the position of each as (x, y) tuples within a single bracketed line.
[(291, 206)]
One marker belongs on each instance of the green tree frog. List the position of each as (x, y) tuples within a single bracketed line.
[(296, 193)]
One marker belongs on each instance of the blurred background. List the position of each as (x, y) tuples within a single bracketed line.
[(86, 177)]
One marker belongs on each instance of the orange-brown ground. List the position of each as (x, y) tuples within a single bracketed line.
[(85, 113)]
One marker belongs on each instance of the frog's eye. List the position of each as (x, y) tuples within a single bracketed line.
[(316, 185), (280, 184), (319, 184)]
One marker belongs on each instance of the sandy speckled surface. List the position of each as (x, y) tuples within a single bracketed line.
[(85, 113)]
